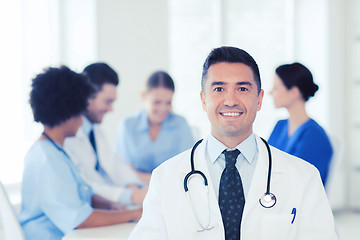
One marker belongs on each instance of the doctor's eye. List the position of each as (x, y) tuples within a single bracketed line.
[(218, 89), (243, 89)]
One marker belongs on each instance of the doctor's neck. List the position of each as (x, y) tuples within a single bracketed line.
[(229, 140)]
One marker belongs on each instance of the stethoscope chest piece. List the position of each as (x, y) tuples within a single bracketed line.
[(268, 200)]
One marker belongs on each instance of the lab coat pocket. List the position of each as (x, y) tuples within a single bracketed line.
[(276, 226)]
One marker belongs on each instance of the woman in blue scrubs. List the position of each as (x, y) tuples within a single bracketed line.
[(55, 198), (149, 137), (299, 135)]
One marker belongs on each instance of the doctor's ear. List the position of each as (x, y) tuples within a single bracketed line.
[(203, 103), (260, 98)]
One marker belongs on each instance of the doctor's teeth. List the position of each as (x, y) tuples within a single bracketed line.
[(232, 114)]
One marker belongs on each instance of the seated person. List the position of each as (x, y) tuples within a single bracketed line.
[(151, 136), (299, 135), (103, 170), (55, 198)]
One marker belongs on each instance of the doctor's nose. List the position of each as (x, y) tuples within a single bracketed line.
[(231, 99)]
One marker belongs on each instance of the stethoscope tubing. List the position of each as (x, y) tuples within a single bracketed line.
[(193, 171), (261, 200), (270, 166), (268, 200)]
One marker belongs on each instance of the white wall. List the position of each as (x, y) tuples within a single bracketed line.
[(337, 112), (353, 98), (78, 33)]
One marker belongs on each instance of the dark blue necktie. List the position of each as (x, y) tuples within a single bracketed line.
[(98, 168), (93, 144), (231, 197)]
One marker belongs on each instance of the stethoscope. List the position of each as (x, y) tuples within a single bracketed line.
[(267, 200)]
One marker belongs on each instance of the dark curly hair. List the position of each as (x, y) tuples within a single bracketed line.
[(59, 94), (297, 75)]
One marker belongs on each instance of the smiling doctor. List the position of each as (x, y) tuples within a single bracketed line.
[(216, 190)]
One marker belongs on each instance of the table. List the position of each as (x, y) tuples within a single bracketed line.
[(112, 232)]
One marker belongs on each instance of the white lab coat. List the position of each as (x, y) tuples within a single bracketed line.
[(167, 213), (82, 154)]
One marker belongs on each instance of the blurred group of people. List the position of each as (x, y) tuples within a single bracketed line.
[(73, 178)]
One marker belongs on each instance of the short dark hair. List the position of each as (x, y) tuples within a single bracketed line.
[(100, 73), (297, 75), (230, 55), (58, 94), (160, 79)]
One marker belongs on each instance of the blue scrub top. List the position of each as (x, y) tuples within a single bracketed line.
[(55, 199), (308, 142), (136, 147)]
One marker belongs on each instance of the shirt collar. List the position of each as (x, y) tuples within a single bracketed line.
[(247, 148), (87, 125)]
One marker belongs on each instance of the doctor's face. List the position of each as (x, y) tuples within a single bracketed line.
[(231, 100), (101, 103)]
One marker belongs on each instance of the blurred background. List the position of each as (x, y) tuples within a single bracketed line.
[(138, 37)]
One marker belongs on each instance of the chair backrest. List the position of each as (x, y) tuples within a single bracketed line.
[(12, 228), (338, 149)]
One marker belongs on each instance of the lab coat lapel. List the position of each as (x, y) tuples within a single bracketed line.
[(259, 180)]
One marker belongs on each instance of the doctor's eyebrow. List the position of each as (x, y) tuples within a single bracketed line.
[(237, 83), (245, 83), (216, 83)]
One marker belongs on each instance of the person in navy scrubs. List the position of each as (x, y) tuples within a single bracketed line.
[(299, 135)]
